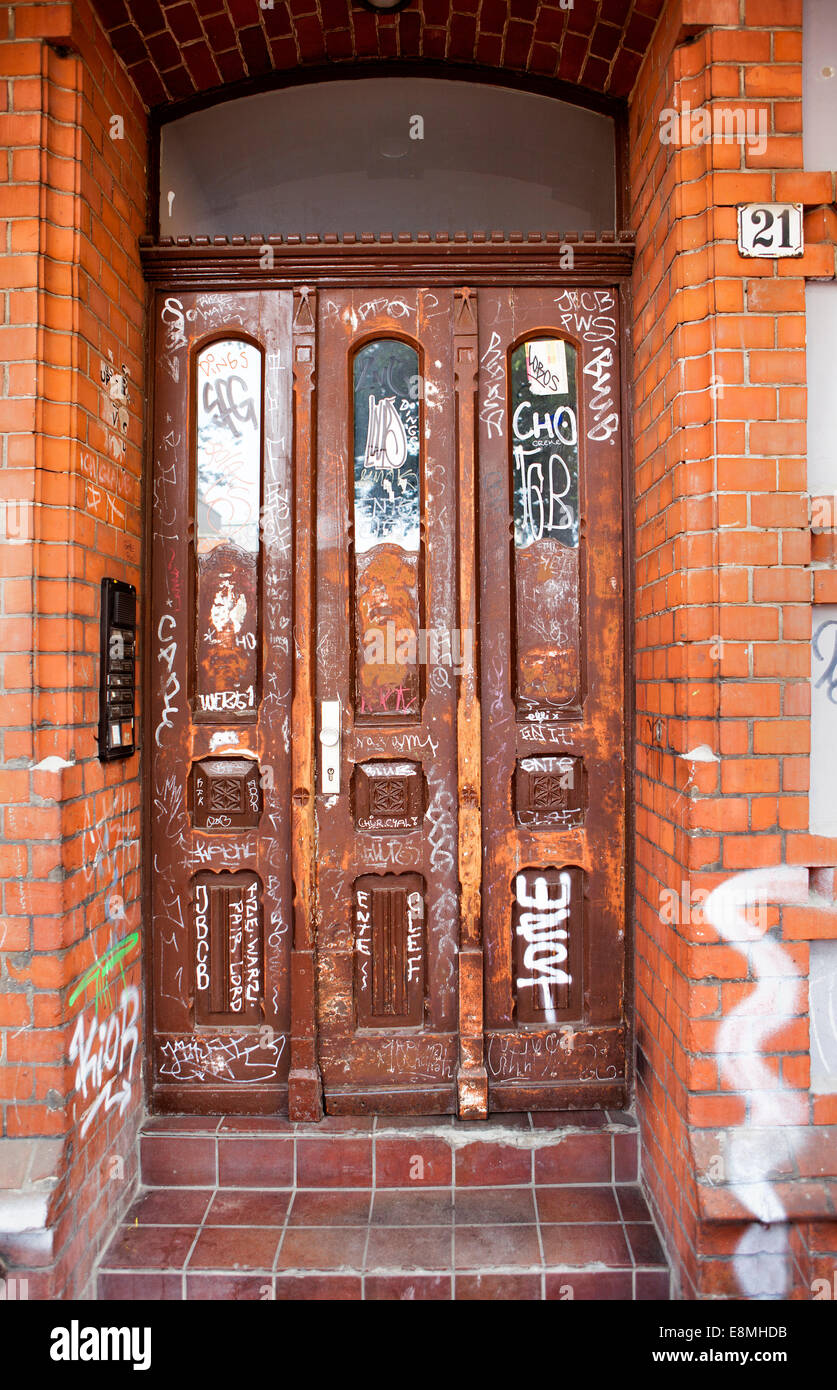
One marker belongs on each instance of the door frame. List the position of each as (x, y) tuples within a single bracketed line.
[(305, 266)]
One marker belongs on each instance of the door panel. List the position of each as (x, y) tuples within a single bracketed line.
[(221, 663), (386, 591), (552, 697), (386, 713)]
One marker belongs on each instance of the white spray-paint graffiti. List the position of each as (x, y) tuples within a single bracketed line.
[(540, 924), (105, 1055), (762, 1259)]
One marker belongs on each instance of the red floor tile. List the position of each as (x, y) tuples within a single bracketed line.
[(394, 1248), (498, 1288), (652, 1284), (632, 1203), (492, 1165), (399, 1208), (236, 1288), (182, 1124), (490, 1206), (407, 1288), (256, 1124), (308, 1287), (155, 1287), (645, 1244), (496, 1247), (414, 1161), (417, 1122), (317, 1247), (337, 1124), (234, 1207), (601, 1285), (170, 1206), (168, 1160), (330, 1209), (334, 1162), (235, 1247), (583, 1244), (625, 1157), (264, 1162), (150, 1247), (580, 1158), (577, 1204), (579, 1119)]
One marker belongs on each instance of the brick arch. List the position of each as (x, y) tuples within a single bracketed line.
[(177, 50)]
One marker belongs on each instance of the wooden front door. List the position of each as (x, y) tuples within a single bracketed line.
[(387, 701)]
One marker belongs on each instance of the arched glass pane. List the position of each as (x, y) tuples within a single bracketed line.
[(228, 449), (387, 154), (545, 492), (387, 529)]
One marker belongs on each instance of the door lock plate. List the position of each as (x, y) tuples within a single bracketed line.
[(330, 745)]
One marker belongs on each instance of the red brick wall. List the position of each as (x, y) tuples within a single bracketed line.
[(723, 548), (71, 309)]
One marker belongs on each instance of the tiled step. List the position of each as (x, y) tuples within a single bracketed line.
[(527, 1207)]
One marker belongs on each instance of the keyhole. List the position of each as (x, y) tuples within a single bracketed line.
[(171, 200)]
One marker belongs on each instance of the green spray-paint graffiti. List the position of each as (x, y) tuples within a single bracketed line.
[(100, 970)]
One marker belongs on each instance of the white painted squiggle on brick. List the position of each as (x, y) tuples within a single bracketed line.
[(762, 1256)]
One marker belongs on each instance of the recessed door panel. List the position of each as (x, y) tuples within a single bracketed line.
[(386, 593), (221, 676), (551, 680)]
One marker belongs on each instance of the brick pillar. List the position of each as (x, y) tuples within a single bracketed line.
[(723, 627), (71, 322)]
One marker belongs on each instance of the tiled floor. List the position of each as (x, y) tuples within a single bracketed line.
[(520, 1207)]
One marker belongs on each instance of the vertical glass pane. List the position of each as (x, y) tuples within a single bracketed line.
[(544, 416), (387, 530), (227, 499)]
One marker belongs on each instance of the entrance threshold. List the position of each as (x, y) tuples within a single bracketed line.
[(520, 1206)]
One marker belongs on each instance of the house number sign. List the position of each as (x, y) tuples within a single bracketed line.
[(771, 230)]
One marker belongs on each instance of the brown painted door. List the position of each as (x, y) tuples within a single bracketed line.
[(386, 701), (552, 686), (388, 923), (221, 661), (469, 701)]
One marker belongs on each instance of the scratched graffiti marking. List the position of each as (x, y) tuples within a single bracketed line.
[(240, 1060), (493, 403)]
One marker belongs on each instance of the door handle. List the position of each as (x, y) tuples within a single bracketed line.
[(330, 740)]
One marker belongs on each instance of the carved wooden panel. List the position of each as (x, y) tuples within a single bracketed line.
[(226, 793), (550, 792), (388, 796), (389, 950), (547, 925), (227, 948)]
